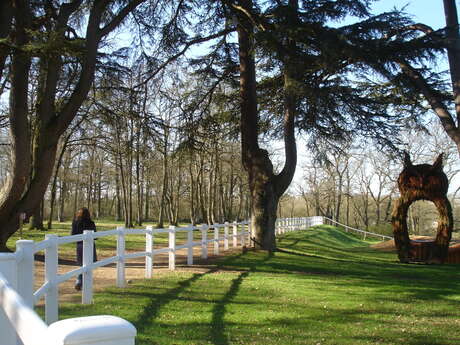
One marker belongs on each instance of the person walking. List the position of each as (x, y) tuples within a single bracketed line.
[(82, 222)]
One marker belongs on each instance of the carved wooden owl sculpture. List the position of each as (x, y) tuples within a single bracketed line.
[(422, 182)]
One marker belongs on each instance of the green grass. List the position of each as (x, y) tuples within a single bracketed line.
[(323, 287)]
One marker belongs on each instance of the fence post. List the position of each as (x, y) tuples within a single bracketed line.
[(226, 236), (149, 250), (190, 246), (172, 248), (8, 268), (216, 240), (235, 234), (88, 259), (204, 241), (51, 271), (25, 271), (121, 281), (92, 330)]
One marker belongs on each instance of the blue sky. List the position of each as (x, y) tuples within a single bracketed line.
[(430, 12)]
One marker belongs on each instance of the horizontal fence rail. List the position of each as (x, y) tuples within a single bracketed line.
[(361, 232)]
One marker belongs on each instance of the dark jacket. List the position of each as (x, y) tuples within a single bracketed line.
[(78, 226)]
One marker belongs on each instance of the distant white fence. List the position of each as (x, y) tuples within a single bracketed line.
[(284, 225), (17, 295), (361, 232)]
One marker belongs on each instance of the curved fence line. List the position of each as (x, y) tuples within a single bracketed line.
[(362, 232)]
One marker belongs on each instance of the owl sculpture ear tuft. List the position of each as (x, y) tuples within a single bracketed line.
[(437, 165), (407, 161)]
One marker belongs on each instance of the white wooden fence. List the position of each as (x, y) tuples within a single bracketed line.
[(284, 225), (361, 232), (17, 295)]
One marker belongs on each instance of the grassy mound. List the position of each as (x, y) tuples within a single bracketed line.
[(323, 287)]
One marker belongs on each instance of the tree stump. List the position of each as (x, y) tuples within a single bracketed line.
[(422, 182)]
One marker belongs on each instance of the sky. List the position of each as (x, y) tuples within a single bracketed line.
[(429, 12)]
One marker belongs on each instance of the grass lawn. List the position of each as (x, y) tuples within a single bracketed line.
[(323, 287)]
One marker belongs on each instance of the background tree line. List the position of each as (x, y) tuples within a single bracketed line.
[(111, 90), (130, 156)]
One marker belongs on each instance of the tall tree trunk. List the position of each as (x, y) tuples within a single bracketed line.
[(62, 193), (201, 190), (118, 215), (164, 188), (36, 220), (77, 183), (99, 192), (54, 183), (147, 201), (139, 185), (339, 199), (265, 187), (192, 191), (348, 196), (453, 53)]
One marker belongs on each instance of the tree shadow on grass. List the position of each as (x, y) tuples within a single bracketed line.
[(218, 335), (152, 309), (218, 314)]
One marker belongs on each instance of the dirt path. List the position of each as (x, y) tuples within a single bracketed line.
[(135, 269), (390, 244)]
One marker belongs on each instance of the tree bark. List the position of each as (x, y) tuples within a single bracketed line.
[(265, 187), (6, 17), (54, 183), (164, 185)]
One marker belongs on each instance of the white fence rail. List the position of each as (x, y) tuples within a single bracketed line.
[(17, 295), (361, 232)]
